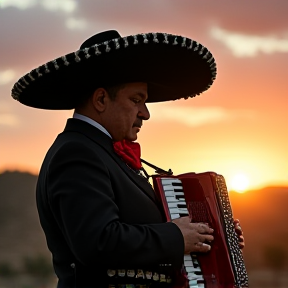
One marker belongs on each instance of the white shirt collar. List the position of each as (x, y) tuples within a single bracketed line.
[(92, 122)]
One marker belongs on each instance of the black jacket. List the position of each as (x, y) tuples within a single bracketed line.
[(97, 213)]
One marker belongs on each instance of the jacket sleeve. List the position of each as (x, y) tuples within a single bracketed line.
[(82, 201)]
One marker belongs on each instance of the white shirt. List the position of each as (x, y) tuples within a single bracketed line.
[(92, 122)]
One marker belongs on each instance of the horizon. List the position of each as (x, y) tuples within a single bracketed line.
[(229, 190)]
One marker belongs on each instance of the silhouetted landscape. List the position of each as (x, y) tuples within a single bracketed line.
[(23, 253)]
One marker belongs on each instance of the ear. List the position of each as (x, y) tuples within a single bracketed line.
[(99, 99)]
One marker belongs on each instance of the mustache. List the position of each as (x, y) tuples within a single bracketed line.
[(138, 123)]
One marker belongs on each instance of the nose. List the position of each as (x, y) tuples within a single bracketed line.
[(144, 112)]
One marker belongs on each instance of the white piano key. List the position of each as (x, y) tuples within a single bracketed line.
[(191, 269), (187, 257), (194, 277), (188, 262), (174, 194), (175, 204), (171, 199), (178, 210), (172, 187), (174, 216), (201, 285), (169, 181), (193, 283)]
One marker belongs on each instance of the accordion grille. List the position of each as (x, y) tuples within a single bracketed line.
[(240, 273)]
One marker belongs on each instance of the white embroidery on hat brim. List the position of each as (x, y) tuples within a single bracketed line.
[(118, 43)]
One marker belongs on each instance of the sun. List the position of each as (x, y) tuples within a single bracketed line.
[(239, 182)]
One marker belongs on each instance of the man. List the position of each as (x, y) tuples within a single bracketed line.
[(103, 223)]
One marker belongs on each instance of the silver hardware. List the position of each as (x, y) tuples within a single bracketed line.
[(24, 80), (77, 58), (97, 52), (38, 73), (155, 38), (66, 63), (165, 38), (46, 68), (107, 46), (183, 42), (87, 55), (126, 44), (116, 41), (31, 77), (145, 38), (55, 64), (135, 40)]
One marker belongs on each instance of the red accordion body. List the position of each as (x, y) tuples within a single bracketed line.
[(204, 197)]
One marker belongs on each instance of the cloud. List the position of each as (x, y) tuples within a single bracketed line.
[(67, 6), (73, 23), (20, 4), (243, 45), (7, 119), (192, 116), (7, 76)]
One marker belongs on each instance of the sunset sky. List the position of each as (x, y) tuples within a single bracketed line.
[(238, 127)]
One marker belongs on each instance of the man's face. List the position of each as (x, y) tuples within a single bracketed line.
[(127, 111)]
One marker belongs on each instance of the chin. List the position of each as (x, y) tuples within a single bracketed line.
[(131, 138)]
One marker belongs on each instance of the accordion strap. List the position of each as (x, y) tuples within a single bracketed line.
[(157, 169)]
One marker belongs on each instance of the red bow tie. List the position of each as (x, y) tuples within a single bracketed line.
[(129, 152)]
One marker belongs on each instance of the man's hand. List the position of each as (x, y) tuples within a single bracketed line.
[(194, 234), (239, 232)]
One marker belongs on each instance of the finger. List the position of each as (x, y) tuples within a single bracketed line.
[(239, 232), (238, 228), (205, 238), (236, 221), (240, 238), (203, 228), (202, 247), (241, 245)]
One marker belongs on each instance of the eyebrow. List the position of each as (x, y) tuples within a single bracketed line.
[(142, 95)]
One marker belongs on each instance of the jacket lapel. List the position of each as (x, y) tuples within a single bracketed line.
[(106, 143)]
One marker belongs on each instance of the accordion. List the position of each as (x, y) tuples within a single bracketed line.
[(204, 197)]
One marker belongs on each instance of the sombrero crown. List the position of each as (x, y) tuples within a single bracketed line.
[(173, 66)]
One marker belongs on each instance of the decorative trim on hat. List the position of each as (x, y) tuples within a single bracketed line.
[(145, 38), (77, 58), (65, 60), (86, 51), (55, 64), (38, 73), (97, 51), (115, 44), (31, 77)]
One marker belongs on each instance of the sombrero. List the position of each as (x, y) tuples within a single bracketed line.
[(174, 67)]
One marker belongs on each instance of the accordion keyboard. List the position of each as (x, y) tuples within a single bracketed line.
[(177, 207)]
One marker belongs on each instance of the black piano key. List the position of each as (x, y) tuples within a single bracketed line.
[(178, 190), (177, 184)]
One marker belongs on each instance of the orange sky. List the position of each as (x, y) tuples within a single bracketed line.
[(238, 126)]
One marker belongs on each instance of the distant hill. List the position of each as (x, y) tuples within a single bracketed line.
[(20, 232), (263, 215)]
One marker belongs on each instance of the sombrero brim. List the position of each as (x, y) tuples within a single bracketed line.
[(173, 66)]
